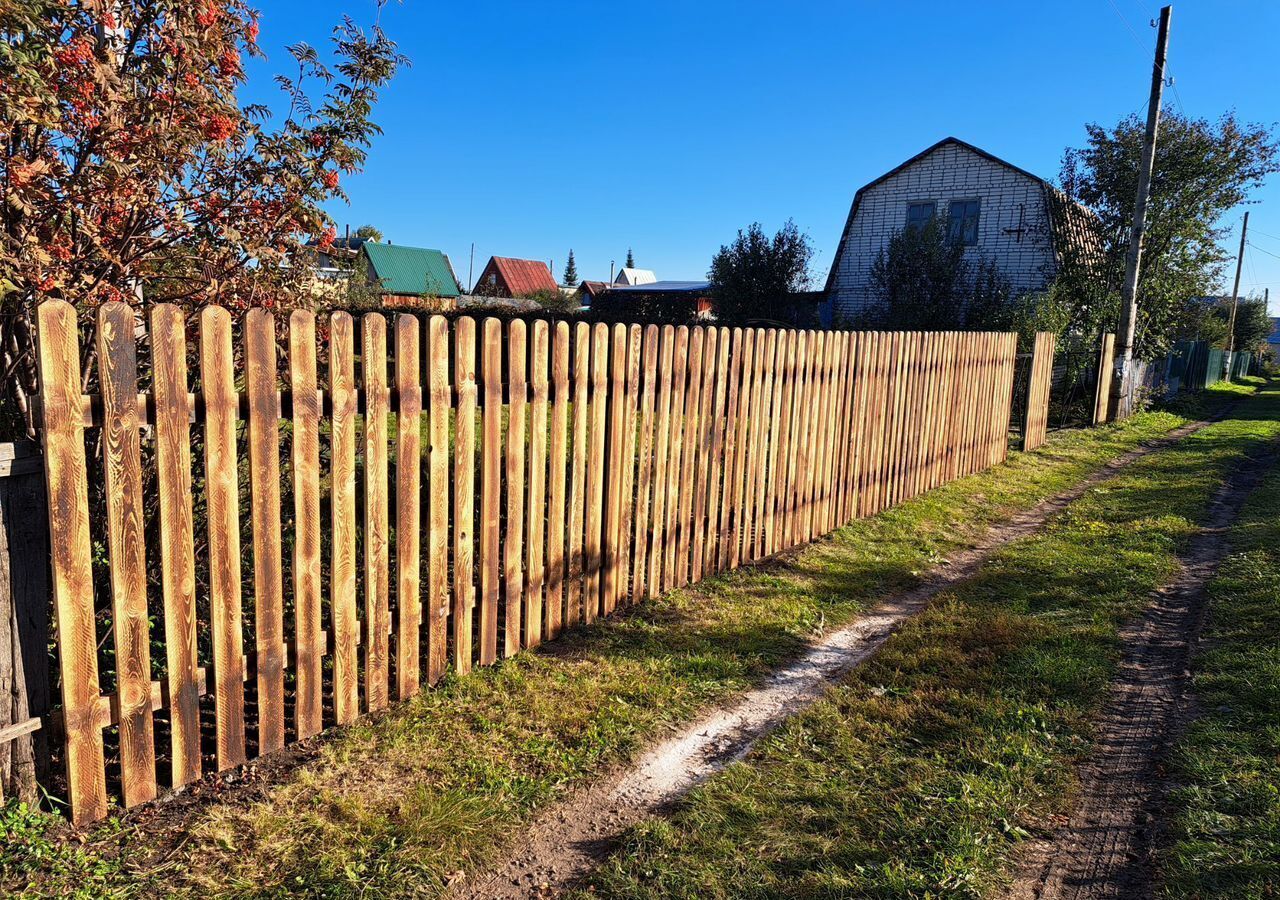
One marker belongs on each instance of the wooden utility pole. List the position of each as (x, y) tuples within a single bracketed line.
[(1235, 291), (1121, 387)]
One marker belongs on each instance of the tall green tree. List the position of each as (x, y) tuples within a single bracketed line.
[(631, 261), (369, 233), (1203, 170), (756, 276), (570, 272)]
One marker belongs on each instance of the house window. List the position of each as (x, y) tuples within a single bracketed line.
[(920, 213), (964, 222)]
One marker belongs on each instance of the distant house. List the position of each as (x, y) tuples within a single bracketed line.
[(635, 276), (507, 277), (590, 291), (409, 275), (335, 262), (1273, 339), (998, 211)]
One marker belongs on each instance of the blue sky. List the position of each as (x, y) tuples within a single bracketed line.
[(529, 128)]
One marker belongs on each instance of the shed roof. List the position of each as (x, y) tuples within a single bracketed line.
[(523, 276), (635, 276), (411, 270)]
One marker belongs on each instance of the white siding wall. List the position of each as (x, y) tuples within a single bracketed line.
[(949, 173)]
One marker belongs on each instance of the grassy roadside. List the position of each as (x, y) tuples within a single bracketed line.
[(1224, 837), (919, 775), (396, 804)]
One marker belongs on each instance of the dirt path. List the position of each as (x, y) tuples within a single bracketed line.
[(569, 838), (1105, 849)]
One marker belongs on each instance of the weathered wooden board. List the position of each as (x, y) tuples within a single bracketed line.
[(342, 564), (122, 465), (438, 484), (177, 554), (644, 466), (578, 473), (408, 542), (377, 577), (66, 480), (536, 505), (490, 489), (222, 499), (513, 545), (308, 637), (560, 407), (1102, 384)]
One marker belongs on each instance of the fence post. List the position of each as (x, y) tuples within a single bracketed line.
[(1037, 417), (1102, 392), (24, 618)]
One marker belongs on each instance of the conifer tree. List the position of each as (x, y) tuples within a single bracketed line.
[(570, 272), (631, 260)]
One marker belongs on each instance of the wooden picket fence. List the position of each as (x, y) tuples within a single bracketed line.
[(499, 484)]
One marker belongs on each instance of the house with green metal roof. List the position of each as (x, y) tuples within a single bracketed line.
[(410, 271)]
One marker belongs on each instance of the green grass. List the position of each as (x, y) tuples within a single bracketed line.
[(1224, 838), (920, 774), (394, 805)]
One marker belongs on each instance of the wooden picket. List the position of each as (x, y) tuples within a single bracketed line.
[(613, 463), (1036, 422), (222, 497), (408, 507), (177, 557), (308, 637), (122, 464), (1102, 388)]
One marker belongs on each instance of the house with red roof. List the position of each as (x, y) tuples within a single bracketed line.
[(507, 277)]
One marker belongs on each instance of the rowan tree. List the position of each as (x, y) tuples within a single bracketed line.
[(129, 171)]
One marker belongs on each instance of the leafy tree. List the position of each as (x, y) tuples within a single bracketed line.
[(920, 279), (570, 272), (756, 277), (369, 233), (1202, 170), (924, 281), (1253, 323), (631, 262), (130, 172)]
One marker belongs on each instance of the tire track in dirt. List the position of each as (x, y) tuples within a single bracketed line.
[(568, 839), (1105, 850)]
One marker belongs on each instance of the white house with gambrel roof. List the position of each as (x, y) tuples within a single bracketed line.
[(997, 210)]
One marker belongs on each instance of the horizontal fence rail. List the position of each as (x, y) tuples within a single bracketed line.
[(340, 522)]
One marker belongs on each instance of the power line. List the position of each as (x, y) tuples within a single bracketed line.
[(1137, 40), (1173, 82), (1262, 250), (1264, 234)]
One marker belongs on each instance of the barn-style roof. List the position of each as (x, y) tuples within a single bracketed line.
[(1074, 226)]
